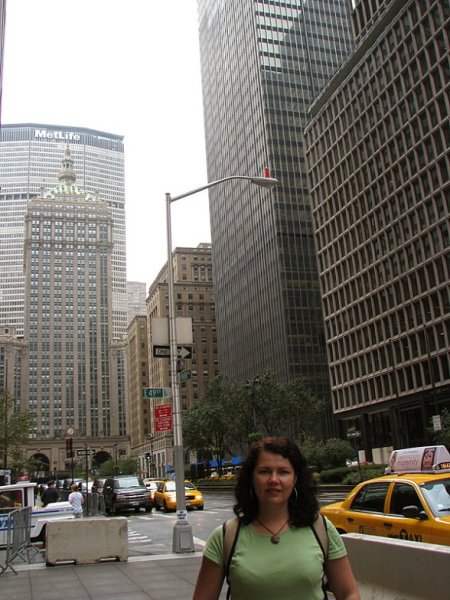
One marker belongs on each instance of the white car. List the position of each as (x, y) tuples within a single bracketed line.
[(22, 494)]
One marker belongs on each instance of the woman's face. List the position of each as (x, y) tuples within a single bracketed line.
[(273, 479)]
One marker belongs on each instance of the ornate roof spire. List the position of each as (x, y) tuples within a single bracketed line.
[(67, 174)]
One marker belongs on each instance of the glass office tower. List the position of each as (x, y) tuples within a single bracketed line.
[(30, 159), (263, 63)]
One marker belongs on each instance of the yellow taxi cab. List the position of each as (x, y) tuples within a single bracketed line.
[(411, 502), (152, 485), (165, 496)]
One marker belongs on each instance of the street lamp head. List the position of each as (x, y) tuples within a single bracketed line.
[(265, 182)]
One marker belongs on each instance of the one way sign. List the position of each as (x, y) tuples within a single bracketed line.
[(164, 352)]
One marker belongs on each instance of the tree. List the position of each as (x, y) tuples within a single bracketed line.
[(14, 431), (215, 424), (232, 415), (443, 436), (283, 409), (127, 466), (329, 454)]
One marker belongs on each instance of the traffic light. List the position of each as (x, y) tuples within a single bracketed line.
[(147, 456), (69, 448)]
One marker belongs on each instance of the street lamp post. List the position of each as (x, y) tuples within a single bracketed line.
[(182, 532)]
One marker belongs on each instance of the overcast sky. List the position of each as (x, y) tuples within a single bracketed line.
[(129, 68)]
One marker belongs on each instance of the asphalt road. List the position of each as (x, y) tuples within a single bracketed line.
[(152, 533)]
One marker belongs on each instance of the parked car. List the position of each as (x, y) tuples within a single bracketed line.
[(165, 496), (407, 505), (152, 486), (126, 491)]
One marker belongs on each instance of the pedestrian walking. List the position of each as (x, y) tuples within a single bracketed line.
[(76, 501), (50, 494), (281, 546)]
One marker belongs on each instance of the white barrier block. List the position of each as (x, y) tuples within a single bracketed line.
[(394, 569), (84, 541)]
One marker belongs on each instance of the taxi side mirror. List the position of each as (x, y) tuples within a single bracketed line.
[(413, 512)]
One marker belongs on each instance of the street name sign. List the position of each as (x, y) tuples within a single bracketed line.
[(156, 392), (85, 452), (185, 375), (164, 352)]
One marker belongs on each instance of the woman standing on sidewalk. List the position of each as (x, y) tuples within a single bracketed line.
[(277, 554), (76, 501)]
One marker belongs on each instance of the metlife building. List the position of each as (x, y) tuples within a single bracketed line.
[(30, 160)]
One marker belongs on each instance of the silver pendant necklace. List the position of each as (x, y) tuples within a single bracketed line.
[(275, 537)]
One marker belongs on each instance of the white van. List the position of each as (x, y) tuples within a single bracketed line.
[(22, 494)]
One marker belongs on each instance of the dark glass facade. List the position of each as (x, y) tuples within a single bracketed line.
[(262, 65)]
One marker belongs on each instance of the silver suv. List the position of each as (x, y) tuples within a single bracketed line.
[(126, 491)]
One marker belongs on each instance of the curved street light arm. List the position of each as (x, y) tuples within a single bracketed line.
[(266, 182)]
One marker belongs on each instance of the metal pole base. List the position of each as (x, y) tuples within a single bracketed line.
[(183, 540)]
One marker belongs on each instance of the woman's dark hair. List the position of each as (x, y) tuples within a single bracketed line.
[(303, 506)]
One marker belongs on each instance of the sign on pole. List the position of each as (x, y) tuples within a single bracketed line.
[(163, 417), (85, 452), (156, 392), (164, 352), (185, 375)]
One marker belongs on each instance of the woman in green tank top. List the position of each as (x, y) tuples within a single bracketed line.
[(276, 552)]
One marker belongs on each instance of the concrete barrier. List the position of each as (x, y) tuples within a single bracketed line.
[(393, 569), (84, 541)]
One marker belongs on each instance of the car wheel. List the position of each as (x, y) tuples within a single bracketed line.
[(165, 507), (148, 509), (200, 507), (137, 509), (157, 506)]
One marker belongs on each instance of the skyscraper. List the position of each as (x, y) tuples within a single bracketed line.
[(263, 62), (136, 296), (378, 152), (72, 366), (2, 43), (30, 158)]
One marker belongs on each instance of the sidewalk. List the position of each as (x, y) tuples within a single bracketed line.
[(157, 577)]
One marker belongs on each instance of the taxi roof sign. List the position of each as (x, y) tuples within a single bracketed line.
[(419, 460)]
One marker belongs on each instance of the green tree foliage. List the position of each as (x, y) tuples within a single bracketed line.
[(283, 409), (14, 432), (327, 454), (443, 436), (215, 424), (127, 466), (232, 415)]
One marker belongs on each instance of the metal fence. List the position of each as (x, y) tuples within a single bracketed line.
[(18, 541)]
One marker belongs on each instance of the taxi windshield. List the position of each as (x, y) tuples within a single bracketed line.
[(437, 495)]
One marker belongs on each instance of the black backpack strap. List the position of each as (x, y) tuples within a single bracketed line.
[(319, 529), (230, 530)]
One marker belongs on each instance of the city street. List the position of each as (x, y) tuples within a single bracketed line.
[(152, 533)]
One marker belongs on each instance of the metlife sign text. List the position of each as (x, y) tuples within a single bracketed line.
[(57, 135)]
